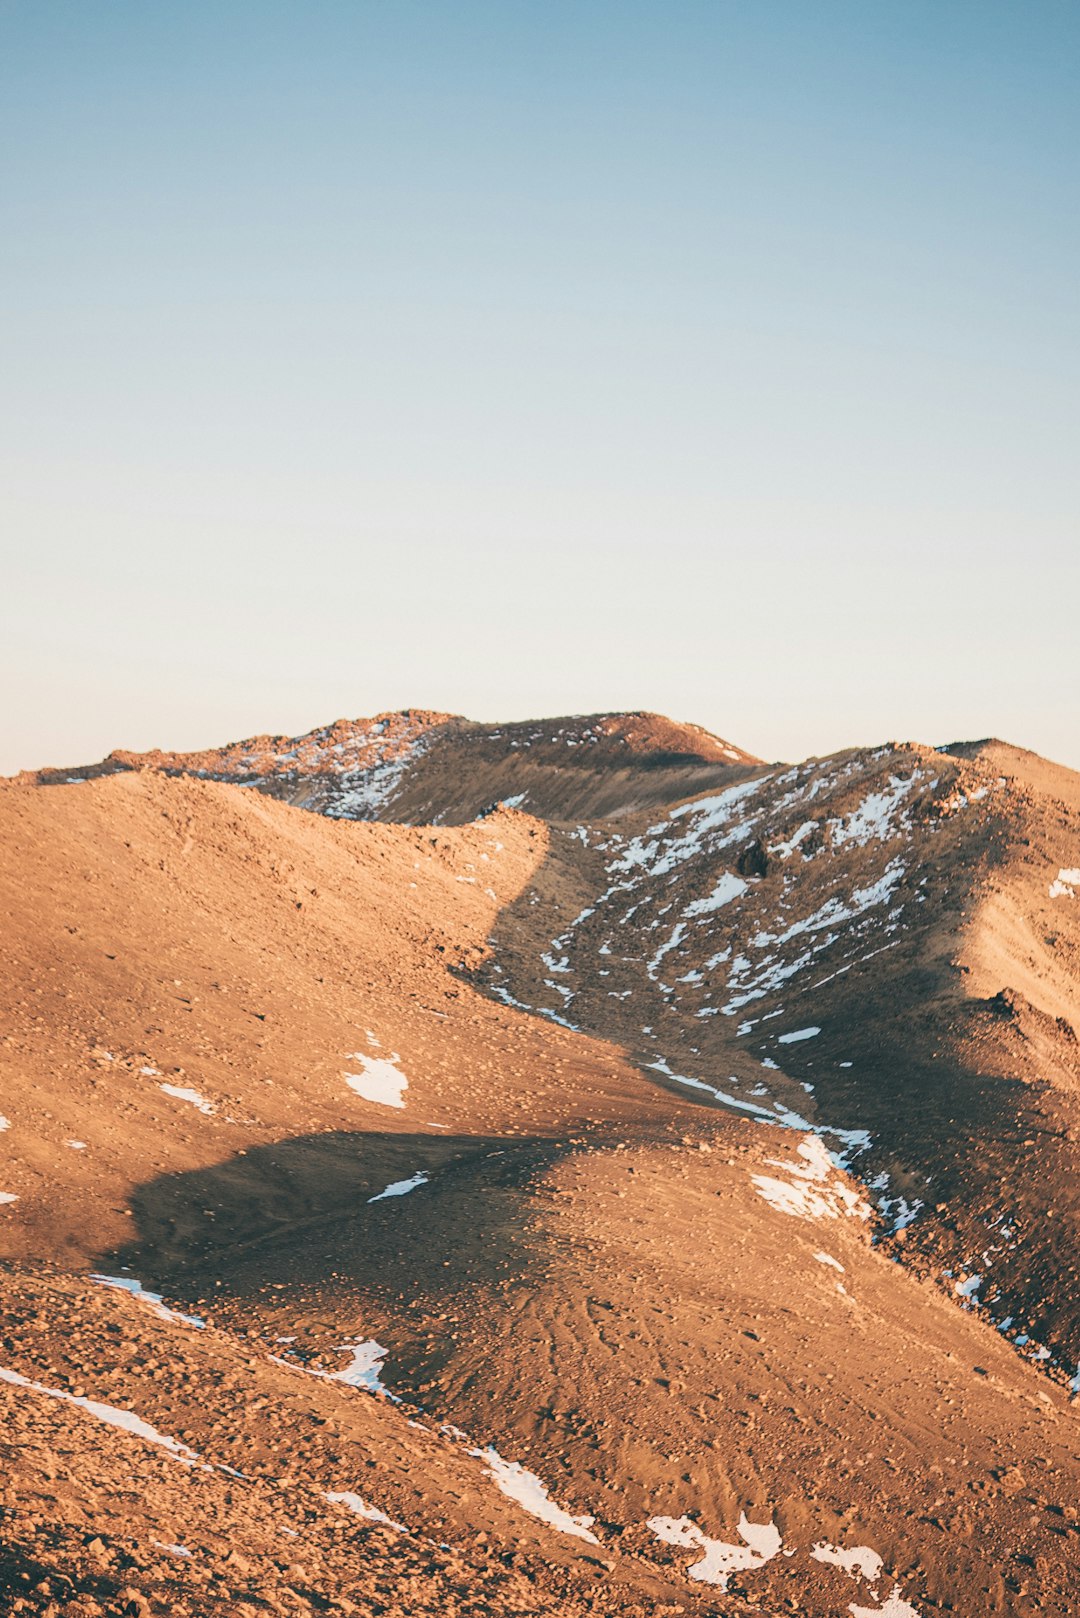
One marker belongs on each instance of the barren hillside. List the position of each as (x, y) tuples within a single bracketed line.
[(656, 1193), (418, 766)]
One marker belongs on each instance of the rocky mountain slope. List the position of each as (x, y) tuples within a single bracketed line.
[(416, 766), (664, 1200)]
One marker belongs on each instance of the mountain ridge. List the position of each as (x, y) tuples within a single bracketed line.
[(711, 1159)]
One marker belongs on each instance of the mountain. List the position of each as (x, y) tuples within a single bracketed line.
[(655, 1195), (416, 766)]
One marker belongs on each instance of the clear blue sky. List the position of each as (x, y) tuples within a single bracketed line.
[(715, 358)]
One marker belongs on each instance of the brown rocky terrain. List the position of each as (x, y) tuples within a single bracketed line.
[(654, 1195), (417, 766)]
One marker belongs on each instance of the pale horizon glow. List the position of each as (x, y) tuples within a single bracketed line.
[(708, 358)]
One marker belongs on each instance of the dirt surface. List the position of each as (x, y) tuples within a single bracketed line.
[(702, 1142)]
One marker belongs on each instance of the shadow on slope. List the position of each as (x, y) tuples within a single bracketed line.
[(855, 1012), (301, 1216)]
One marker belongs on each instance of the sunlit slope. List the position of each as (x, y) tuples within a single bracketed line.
[(191, 971), (158, 1465)]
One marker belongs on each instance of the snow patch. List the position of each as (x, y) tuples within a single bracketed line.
[(345, 1497), (728, 887), (379, 1080), (109, 1414), (812, 1192), (860, 1561), (874, 816), (893, 1608), (526, 1488), (364, 1368), (180, 1092), (361, 1372), (126, 1283), (762, 1543), (786, 850), (401, 1188), (653, 966)]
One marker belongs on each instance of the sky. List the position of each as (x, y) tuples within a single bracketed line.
[(520, 359)]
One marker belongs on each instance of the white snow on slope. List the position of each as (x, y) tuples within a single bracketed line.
[(769, 974), (893, 1608), (762, 1543), (345, 1497), (127, 1283), (860, 1561), (401, 1188), (786, 850), (646, 855), (652, 967), (813, 1191), (379, 1080), (181, 1092), (364, 1368), (527, 1489), (109, 1414), (728, 886), (361, 794), (835, 910), (1063, 887), (780, 1115), (799, 1034), (361, 1372), (874, 816)]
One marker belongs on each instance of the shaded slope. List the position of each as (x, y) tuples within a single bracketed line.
[(807, 943), (416, 766)]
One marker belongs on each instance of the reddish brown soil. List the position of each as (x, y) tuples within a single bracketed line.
[(647, 1295)]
